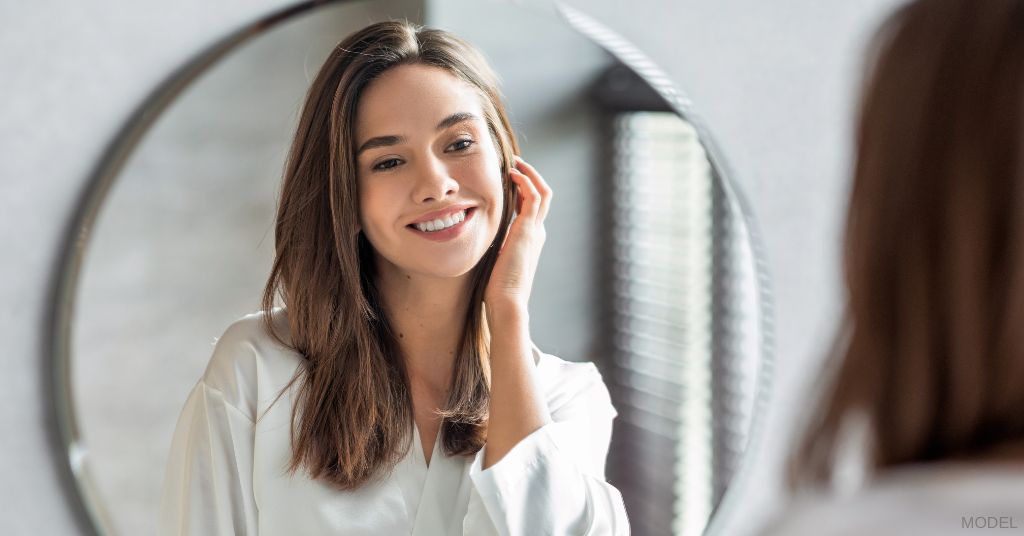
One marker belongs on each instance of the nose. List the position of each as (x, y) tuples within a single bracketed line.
[(434, 182)]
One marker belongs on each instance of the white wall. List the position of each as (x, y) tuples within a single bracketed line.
[(774, 81)]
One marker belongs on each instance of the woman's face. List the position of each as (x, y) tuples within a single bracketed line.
[(422, 146)]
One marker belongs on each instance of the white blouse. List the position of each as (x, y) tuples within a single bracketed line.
[(226, 471), (937, 499)]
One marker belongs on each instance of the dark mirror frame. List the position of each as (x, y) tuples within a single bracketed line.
[(68, 452)]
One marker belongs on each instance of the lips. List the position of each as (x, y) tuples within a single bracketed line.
[(441, 214), (445, 234)]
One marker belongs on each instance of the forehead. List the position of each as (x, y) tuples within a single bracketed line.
[(412, 98)]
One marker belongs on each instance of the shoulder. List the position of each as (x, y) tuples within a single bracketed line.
[(246, 355), (573, 385), (938, 498)]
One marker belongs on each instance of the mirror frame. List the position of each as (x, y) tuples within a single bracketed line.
[(70, 455), (630, 56)]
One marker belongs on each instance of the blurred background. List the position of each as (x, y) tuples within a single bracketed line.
[(183, 243)]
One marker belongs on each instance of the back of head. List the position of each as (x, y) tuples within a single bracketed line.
[(932, 350)]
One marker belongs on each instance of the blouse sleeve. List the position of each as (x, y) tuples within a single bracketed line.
[(208, 480), (553, 480)]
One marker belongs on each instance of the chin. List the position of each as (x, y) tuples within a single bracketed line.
[(446, 270)]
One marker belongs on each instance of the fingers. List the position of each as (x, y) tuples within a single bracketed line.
[(539, 193), (529, 197)]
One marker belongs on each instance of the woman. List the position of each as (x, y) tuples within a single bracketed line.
[(397, 391), (931, 363)]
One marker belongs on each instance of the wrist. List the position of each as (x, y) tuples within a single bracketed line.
[(503, 316)]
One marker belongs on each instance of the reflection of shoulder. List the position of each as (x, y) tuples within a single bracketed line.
[(573, 384), (932, 498), (245, 356)]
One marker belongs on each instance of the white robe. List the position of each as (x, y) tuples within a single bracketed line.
[(225, 471), (933, 498)]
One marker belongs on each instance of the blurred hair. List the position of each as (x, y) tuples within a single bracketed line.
[(353, 412), (932, 346)]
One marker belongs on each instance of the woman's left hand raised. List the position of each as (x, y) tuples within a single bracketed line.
[(508, 290)]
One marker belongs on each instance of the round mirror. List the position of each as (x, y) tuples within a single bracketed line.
[(649, 269)]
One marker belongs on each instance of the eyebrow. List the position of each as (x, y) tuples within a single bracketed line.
[(385, 141)]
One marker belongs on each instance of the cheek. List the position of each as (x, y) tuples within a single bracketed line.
[(496, 195), (492, 169), (373, 206), (487, 181)]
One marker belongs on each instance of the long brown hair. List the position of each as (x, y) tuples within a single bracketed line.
[(932, 348), (353, 411)]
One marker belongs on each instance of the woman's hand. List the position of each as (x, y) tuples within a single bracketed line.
[(508, 290), (517, 405)]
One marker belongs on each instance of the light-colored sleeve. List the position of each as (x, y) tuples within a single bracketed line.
[(553, 480), (208, 479)]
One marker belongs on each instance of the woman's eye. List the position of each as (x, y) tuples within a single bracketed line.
[(459, 147), (386, 164)]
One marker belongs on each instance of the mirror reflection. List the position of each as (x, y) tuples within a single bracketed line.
[(646, 281)]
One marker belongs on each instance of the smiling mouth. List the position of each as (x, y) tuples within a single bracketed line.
[(441, 233), (440, 225)]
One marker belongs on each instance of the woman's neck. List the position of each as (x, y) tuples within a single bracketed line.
[(428, 316)]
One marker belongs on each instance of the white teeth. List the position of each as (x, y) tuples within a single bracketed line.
[(439, 224)]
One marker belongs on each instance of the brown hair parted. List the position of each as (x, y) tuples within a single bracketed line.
[(932, 347), (353, 410)]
